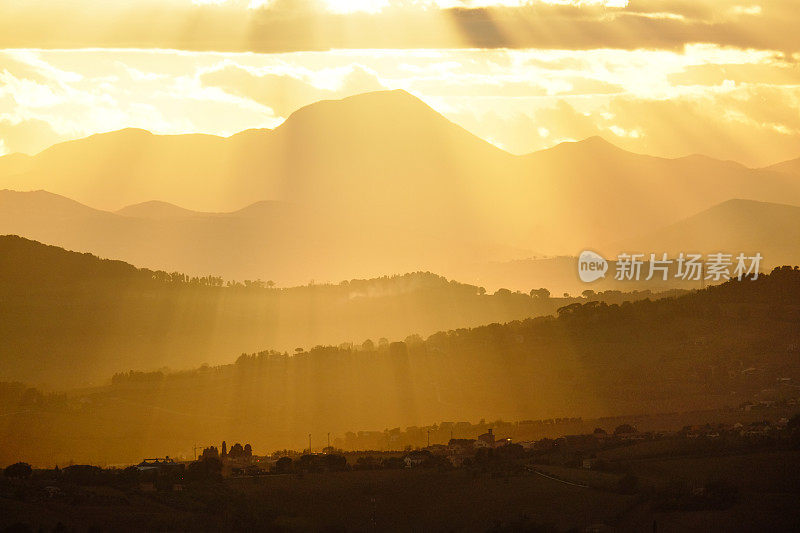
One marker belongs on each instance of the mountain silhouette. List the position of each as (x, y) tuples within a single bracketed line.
[(156, 210), (735, 226), (386, 160), (791, 167), (268, 240)]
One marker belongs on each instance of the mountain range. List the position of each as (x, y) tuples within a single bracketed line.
[(278, 241), (398, 172), (289, 244), (735, 226)]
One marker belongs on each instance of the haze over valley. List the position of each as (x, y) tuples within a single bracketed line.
[(306, 266), (427, 196)]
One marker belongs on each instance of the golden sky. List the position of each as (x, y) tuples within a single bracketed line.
[(667, 77)]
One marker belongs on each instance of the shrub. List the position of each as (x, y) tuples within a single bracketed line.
[(18, 470)]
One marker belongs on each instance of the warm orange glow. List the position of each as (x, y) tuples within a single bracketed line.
[(269, 221)]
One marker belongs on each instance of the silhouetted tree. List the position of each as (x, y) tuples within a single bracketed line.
[(414, 340), (623, 429), (18, 471), (334, 462), (393, 463), (398, 350), (542, 294), (283, 465), (237, 451), (205, 470)]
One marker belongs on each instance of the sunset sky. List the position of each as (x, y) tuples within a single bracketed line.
[(668, 78)]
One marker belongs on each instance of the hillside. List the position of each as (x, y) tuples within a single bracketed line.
[(69, 318), (719, 347), (791, 167), (735, 226)]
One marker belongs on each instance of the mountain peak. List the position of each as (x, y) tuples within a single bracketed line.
[(376, 105), (742, 205), (39, 194), (155, 209), (596, 142), (263, 207), (389, 121), (123, 133), (41, 202), (385, 96), (591, 146)]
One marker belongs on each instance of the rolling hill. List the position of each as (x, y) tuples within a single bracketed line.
[(716, 348), (69, 318)]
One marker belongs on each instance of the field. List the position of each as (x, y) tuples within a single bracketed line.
[(396, 500), (767, 484), (438, 501)]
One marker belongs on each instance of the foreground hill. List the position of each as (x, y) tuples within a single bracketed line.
[(387, 162), (722, 346), (70, 318)]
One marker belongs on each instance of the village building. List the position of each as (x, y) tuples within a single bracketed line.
[(485, 440)]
